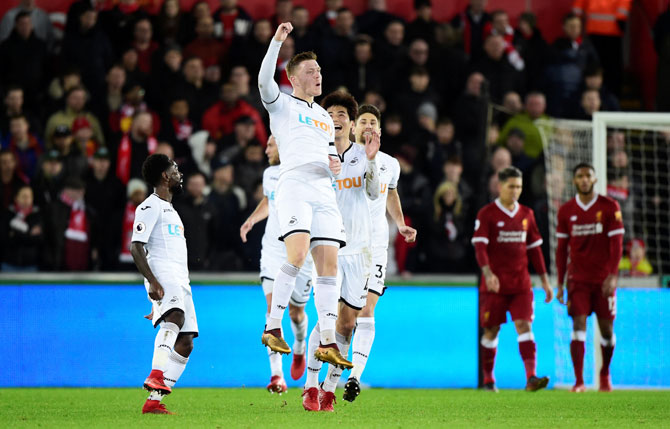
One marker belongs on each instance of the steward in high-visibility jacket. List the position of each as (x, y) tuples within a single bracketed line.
[(603, 17)]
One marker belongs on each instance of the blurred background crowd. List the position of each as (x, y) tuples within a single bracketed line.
[(83, 105)]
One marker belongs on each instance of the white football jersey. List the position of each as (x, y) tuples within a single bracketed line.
[(271, 244), (352, 200), (159, 227), (304, 132), (389, 173)]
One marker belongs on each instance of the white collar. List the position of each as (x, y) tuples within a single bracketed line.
[(507, 212), (587, 206)]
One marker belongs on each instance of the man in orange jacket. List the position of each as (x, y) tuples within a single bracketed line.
[(605, 24)]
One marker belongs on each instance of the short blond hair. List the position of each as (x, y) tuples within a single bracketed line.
[(297, 59)]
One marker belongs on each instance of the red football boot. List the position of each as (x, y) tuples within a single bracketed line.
[(326, 400), (297, 366), (156, 382), (277, 385), (605, 383), (155, 407), (310, 399), (578, 388)]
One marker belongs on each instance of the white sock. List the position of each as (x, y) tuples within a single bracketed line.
[(163, 345), (326, 296), (175, 368), (281, 294), (313, 365), (274, 357), (300, 333), (363, 339), (334, 373)]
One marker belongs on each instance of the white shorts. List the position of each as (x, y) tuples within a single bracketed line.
[(353, 273), (176, 296), (378, 270), (310, 206), (303, 283)]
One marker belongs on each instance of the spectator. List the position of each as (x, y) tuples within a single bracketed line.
[(177, 130), (634, 262), (229, 202), (500, 26), (394, 134), (501, 158), (570, 55), (590, 103), (239, 76), (13, 102), (390, 50), (130, 61), (48, 181), (470, 24), (249, 168), (593, 79), (118, 22), (199, 10), (424, 26), (74, 161), (232, 146), (251, 51), (511, 105), (515, 144), (497, 69), (534, 110), (302, 34), (283, 12), (232, 22), (136, 193), (205, 46), (324, 24), (420, 92), (60, 85), (199, 218), (133, 103), (83, 137), (106, 195), (28, 71), (448, 237), (450, 64), (374, 20), (143, 44), (166, 74), (135, 147), (199, 93), (40, 20), (88, 48), (111, 100), (218, 120), (171, 25), (11, 178), (70, 227), (25, 146), (75, 101), (531, 45), (446, 148), (364, 72), (21, 232), (453, 170)]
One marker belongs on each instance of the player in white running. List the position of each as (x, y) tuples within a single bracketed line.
[(273, 254), (306, 205), (358, 182), (368, 123), (159, 251)]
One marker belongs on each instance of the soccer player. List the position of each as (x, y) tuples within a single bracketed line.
[(273, 253), (368, 122), (306, 205), (506, 235), (590, 230), (159, 250), (358, 181)]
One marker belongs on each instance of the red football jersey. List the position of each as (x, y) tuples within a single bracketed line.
[(588, 229), (508, 235)]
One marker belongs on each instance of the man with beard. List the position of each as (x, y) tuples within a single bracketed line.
[(159, 250)]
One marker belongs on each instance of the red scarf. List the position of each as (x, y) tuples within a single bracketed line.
[(284, 84), (124, 155), (182, 129), (19, 221), (127, 9), (127, 232), (76, 252), (228, 23)]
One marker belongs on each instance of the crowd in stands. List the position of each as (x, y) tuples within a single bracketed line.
[(80, 114)]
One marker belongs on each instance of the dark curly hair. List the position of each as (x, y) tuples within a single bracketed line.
[(341, 98), (153, 167)]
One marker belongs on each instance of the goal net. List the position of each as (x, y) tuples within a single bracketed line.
[(631, 156)]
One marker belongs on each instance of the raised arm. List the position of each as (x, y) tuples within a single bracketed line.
[(266, 76)]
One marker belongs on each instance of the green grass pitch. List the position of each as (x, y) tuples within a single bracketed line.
[(387, 408)]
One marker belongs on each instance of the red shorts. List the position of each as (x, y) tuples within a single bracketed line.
[(587, 298), (493, 307)]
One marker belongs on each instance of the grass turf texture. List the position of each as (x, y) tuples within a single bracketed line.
[(120, 408)]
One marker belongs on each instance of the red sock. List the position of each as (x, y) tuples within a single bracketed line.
[(577, 352), (607, 352), (488, 361), (527, 350)]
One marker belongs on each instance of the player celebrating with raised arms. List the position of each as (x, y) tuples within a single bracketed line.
[(505, 236), (159, 251), (368, 123), (306, 205), (273, 254), (358, 181), (590, 230)]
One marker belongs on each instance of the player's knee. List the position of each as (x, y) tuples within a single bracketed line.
[(367, 311), (175, 316), (522, 326), (184, 345), (491, 333)]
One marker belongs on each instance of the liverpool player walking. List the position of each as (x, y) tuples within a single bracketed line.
[(591, 230), (505, 236), (306, 204)]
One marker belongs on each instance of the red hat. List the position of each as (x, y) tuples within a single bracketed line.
[(79, 123), (634, 242)]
